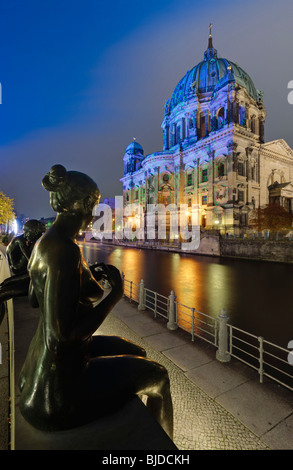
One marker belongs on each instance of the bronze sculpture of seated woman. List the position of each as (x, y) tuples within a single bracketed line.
[(19, 249), (71, 377)]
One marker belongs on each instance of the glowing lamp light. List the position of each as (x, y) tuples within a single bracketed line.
[(14, 226)]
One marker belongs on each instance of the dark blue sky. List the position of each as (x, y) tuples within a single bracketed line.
[(80, 79)]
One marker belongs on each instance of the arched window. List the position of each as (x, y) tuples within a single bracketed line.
[(220, 118), (242, 116), (221, 169)]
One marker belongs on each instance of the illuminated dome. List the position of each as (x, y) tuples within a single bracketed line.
[(210, 75), (134, 149)]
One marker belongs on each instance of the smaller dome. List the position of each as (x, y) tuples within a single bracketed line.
[(134, 149)]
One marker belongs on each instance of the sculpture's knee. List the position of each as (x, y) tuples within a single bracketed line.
[(164, 381), (141, 352)]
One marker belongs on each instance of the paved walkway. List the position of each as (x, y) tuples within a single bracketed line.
[(216, 406)]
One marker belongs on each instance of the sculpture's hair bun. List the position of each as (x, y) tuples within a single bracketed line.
[(53, 180)]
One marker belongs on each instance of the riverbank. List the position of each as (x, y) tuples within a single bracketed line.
[(276, 251)]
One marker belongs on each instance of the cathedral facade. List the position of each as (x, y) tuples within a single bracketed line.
[(214, 153)]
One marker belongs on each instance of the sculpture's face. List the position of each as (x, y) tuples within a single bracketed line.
[(30, 235), (86, 206)]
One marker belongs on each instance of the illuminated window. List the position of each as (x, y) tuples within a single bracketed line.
[(241, 196), (204, 175), (221, 169), (240, 168), (221, 118)]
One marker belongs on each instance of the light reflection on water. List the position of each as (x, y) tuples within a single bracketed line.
[(256, 295)]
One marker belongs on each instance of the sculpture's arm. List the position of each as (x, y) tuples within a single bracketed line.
[(95, 315), (24, 248), (68, 320), (61, 298)]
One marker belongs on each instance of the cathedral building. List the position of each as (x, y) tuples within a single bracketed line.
[(214, 152)]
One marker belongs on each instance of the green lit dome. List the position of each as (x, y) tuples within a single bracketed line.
[(209, 75)]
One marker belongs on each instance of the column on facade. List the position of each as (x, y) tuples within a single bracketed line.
[(235, 107), (206, 123), (197, 122), (248, 173), (231, 168), (157, 169), (183, 129), (246, 116), (261, 130), (213, 120), (196, 179), (181, 179), (211, 154), (146, 192), (187, 125), (166, 136), (228, 109)]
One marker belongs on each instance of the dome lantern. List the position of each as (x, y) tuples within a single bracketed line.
[(211, 52)]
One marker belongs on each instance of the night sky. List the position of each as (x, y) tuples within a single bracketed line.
[(81, 78)]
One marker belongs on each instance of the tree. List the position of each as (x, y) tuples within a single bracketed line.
[(272, 217), (6, 209)]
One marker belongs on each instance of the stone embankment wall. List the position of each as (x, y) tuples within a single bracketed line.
[(212, 245), (266, 250), (209, 245)]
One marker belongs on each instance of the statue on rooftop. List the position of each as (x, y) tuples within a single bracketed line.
[(69, 376)]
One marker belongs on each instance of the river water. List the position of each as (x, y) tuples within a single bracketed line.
[(257, 296)]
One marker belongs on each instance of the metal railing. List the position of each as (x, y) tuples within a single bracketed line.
[(197, 323), (158, 303), (131, 290), (266, 358)]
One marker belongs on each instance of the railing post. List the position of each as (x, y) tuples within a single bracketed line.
[(156, 304), (141, 303), (222, 353), (130, 292), (192, 325), (172, 325), (260, 370), (123, 278)]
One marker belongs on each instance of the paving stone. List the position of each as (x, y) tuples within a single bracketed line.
[(188, 357), (217, 377), (258, 406), (164, 341), (281, 436)]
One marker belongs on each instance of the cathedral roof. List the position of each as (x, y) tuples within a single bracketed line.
[(134, 148), (209, 75)]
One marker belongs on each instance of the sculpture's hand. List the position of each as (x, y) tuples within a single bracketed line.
[(114, 278)]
